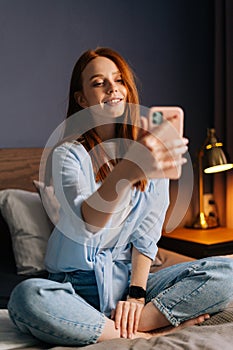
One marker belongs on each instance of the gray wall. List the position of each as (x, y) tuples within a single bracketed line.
[(169, 44)]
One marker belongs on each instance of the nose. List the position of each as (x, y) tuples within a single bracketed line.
[(112, 87)]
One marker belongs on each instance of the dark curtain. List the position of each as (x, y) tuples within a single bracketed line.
[(223, 104)]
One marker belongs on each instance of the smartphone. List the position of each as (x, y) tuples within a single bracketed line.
[(175, 117)]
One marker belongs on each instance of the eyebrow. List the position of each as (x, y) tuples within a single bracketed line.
[(99, 75)]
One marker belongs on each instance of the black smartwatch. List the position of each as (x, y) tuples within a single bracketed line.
[(137, 292)]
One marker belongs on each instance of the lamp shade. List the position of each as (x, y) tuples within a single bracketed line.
[(214, 158)]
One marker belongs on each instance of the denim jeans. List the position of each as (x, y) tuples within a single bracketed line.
[(64, 311)]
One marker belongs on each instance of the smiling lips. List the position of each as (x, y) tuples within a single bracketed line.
[(113, 101)]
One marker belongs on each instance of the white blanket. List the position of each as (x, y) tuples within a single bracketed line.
[(10, 337), (216, 334)]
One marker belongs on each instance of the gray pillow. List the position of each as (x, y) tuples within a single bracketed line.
[(49, 201), (29, 226)]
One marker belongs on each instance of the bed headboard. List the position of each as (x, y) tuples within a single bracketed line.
[(19, 167)]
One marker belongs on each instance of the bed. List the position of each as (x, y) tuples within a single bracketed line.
[(24, 231)]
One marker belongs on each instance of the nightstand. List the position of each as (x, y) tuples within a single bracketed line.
[(199, 243)]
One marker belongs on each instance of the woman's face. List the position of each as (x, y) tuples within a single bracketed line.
[(103, 87)]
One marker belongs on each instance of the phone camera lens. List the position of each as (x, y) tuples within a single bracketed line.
[(157, 117)]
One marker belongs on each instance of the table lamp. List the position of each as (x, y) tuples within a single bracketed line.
[(211, 159)]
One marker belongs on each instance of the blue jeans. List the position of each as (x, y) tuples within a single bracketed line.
[(65, 311)]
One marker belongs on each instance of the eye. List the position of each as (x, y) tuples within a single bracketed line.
[(120, 80), (98, 83)]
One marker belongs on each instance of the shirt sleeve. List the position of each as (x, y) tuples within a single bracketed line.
[(74, 181), (152, 210)]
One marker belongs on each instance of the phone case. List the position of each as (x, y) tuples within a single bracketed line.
[(175, 117)]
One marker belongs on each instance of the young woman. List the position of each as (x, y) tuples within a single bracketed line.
[(112, 212)]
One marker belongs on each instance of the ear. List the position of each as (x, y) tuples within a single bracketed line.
[(80, 99)]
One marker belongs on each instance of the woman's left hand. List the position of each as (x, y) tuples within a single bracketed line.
[(127, 315)]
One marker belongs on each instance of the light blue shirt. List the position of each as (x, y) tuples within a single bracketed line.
[(108, 252)]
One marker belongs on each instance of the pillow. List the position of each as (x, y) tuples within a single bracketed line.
[(29, 227), (49, 201)]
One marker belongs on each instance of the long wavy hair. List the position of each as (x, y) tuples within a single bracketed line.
[(129, 126)]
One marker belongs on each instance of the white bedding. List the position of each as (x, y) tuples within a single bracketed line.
[(216, 334), (10, 337)]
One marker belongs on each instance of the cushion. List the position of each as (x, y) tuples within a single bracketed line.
[(49, 201), (29, 227)]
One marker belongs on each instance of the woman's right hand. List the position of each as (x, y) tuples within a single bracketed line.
[(155, 151), (147, 157)]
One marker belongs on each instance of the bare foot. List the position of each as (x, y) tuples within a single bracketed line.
[(171, 329), (110, 332)]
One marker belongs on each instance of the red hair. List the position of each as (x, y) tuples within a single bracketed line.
[(128, 129)]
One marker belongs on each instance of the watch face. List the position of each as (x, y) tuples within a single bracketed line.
[(137, 292)]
